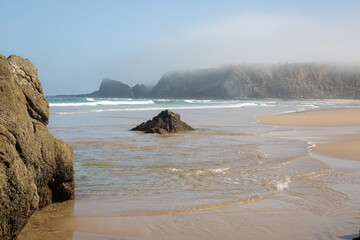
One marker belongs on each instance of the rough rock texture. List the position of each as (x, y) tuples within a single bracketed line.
[(140, 91), (36, 168), (113, 89), (302, 80), (165, 122)]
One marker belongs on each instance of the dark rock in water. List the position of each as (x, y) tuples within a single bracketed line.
[(140, 91), (113, 89), (165, 122), (357, 238), (36, 168)]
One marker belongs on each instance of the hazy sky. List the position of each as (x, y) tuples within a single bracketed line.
[(74, 44)]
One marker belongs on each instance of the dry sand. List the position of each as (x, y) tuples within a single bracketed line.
[(346, 147)]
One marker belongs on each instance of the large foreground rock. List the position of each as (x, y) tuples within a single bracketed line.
[(165, 122), (36, 168)]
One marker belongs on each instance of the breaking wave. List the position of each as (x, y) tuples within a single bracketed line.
[(96, 103)]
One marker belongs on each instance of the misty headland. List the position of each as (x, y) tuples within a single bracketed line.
[(246, 81)]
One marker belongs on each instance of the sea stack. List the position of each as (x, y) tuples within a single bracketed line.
[(36, 168), (112, 89), (165, 122), (140, 91)]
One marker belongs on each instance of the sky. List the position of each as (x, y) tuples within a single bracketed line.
[(75, 44)]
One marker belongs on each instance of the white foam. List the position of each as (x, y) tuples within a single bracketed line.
[(311, 145), (196, 101), (198, 172), (219, 170), (238, 105), (305, 105), (96, 103), (293, 111), (90, 99), (175, 169), (281, 185)]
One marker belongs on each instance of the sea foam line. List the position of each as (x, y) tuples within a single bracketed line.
[(197, 101), (96, 103), (160, 108)]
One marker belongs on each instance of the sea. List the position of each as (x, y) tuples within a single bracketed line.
[(229, 179)]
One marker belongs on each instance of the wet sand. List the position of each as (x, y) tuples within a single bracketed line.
[(267, 219), (310, 199), (345, 117), (345, 147)]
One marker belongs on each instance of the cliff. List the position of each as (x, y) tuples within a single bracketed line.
[(36, 168), (112, 89), (307, 80), (140, 91), (115, 89)]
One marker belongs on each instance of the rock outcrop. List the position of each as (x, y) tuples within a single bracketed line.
[(112, 89), (165, 122), (140, 91), (115, 89), (36, 168), (289, 81)]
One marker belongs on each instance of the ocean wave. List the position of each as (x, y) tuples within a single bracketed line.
[(158, 108), (90, 99), (199, 171), (292, 111), (306, 105), (96, 103), (197, 101)]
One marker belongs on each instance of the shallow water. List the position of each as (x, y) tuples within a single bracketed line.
[(229, 179)]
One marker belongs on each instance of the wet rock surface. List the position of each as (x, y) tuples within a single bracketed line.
[(36, 168), (165, 122)]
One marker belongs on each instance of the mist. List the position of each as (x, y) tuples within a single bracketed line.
[(250, 38), (75, 57)]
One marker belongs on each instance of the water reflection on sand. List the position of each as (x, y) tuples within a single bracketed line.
[(230, 179)]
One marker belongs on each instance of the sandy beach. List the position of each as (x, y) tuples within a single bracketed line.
[(229, 179), (344, 117), (342, 146), (348, 149)]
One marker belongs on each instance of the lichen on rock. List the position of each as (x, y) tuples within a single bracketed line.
[(36, 168)]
